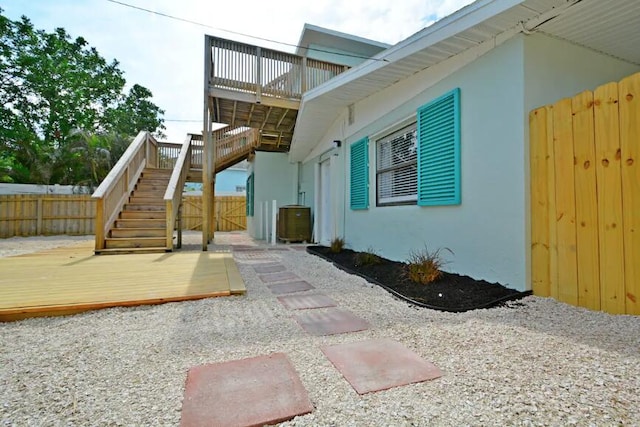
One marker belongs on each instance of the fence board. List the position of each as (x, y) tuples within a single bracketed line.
[(610, 227), (554, 284), (586, 202), (565, 201), (229, 212), (590, 160), (33, 214), (44, 214), (629, 93), (540, 279)]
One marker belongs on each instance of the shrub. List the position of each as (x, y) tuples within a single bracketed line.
[(337, 245), (368, 257), (424, 266)]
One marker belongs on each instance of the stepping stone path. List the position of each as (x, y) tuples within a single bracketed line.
[(256, 391), (269, 268), (278, 277), (267, 389), (305, 302), (330, 322), (289, 287), (375, 365)]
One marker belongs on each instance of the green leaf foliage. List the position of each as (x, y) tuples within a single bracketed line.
[(62, 103)]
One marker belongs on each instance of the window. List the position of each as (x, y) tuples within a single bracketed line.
[(250, 195), (416, 164), (359, 196), (439, 151), (396, 167)]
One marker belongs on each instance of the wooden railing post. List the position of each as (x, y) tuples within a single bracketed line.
[(99, 227), (303, 76), (258, 75)]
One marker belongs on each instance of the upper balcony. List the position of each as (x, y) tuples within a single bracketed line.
[(260, 88)]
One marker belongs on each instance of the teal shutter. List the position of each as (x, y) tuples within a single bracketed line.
[(360, 174), (250, 195), (439, 151)]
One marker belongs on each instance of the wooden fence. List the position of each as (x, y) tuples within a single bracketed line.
[(585, 198), (32, 215), (229, 213), (42, 214)]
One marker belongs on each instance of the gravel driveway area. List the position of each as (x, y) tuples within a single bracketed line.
[(537, 362)]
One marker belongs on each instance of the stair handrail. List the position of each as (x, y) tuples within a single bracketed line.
[(173, 195), (113, 192), (229, 144)]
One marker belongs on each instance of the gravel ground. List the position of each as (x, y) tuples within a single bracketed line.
[(538, 362), (24, 245)]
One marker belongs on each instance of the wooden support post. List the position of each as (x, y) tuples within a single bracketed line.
[(179, 227), (99, 227), (207, 152), (303, 76), (258, 75), (169, 225)]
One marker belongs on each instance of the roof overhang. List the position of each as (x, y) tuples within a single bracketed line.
[(590, 23), (319, 36)]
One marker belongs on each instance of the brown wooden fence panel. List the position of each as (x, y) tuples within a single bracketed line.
[(629, 93), (609, 178), (585, 198), (44, 214), (229, 213), (191, 213)]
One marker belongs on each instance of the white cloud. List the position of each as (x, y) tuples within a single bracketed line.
[(166, 55)]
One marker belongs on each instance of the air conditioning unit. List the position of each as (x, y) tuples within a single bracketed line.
[(294, 223)]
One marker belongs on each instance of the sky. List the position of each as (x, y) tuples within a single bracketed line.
[(167, 55)]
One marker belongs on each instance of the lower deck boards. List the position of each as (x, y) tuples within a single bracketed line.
[(71, 280)]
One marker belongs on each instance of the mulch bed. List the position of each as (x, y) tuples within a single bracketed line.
[(451, 292)]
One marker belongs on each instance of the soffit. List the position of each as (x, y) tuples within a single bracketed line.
[(609, 26)]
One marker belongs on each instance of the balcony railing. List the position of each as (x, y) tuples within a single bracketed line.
[(245, 68)]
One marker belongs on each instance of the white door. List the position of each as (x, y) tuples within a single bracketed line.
[(324, 209)]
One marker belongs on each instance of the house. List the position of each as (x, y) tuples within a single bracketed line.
[(426, 142), (229, 182)]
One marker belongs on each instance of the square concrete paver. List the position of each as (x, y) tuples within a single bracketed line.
[(289, 287), (379, 364), (330, 322), (303, 302), (278, 277), (269, 268), (248, 392)]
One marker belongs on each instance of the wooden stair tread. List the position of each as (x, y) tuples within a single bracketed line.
[(133, 238), (116, 251)]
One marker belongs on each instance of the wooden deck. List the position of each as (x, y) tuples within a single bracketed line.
[(72, 280)]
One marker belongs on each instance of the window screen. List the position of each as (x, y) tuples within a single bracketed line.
[(396, 167)]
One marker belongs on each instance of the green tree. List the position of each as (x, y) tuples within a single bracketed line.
[(136, 112), (54, 88)]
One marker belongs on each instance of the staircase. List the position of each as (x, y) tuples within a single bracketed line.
[(141, 226), (138, 203)]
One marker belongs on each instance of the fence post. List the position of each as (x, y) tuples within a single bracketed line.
[(39, 217)]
